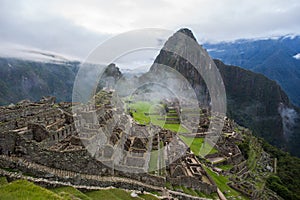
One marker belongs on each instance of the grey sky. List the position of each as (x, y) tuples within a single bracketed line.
[(75, 27)]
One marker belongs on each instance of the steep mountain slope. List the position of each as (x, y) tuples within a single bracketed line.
[(27, 79), (252, 99), (23, 79), (275, 58)]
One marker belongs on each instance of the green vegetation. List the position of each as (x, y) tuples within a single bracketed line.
[(286, 183), (244, 147), (109, 194), (221, 182), (138, 109), (22, 189), (70, 192), (169, 186), (275, 184), (189, 191), (155, 193), (192, 191), (251, 149), (225, 167), (197, 145), (3, 181)]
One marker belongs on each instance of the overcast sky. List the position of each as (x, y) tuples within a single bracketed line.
[(75, 27)]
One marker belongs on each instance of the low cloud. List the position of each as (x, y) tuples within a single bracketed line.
[(76, 27), (297, 56)]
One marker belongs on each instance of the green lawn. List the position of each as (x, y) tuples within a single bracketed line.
[(3, 181), (176, 128), (70, 192), (22, 189), (25, 190), (139, 109), (197, 147)]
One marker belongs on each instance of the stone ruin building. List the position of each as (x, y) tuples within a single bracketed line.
[(92, 144), (99, 140)]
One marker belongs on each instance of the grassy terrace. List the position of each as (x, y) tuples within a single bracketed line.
[(25, 190), (139, 109), (197, 147), (254, 153), (225, 167), (221, 182), (21, 190), (70, 193)]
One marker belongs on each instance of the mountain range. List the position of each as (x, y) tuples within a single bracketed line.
[(253, 100), (27, 79), (276, 58)]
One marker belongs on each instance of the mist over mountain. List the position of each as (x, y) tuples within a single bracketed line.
[(27, 79), (276, 58)]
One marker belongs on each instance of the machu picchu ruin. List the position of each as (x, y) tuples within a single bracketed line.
[(169, 133), (107, 144)]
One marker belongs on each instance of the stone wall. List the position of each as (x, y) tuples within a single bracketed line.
[(193, 182), (61, 134), (7, 142), (146, 178), (52, 174)]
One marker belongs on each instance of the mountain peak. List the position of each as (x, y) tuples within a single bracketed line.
[(187, 32)]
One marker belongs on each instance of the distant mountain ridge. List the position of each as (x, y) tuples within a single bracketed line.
[(276, 58), (25, 79), (31, 79), (253, 100)]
